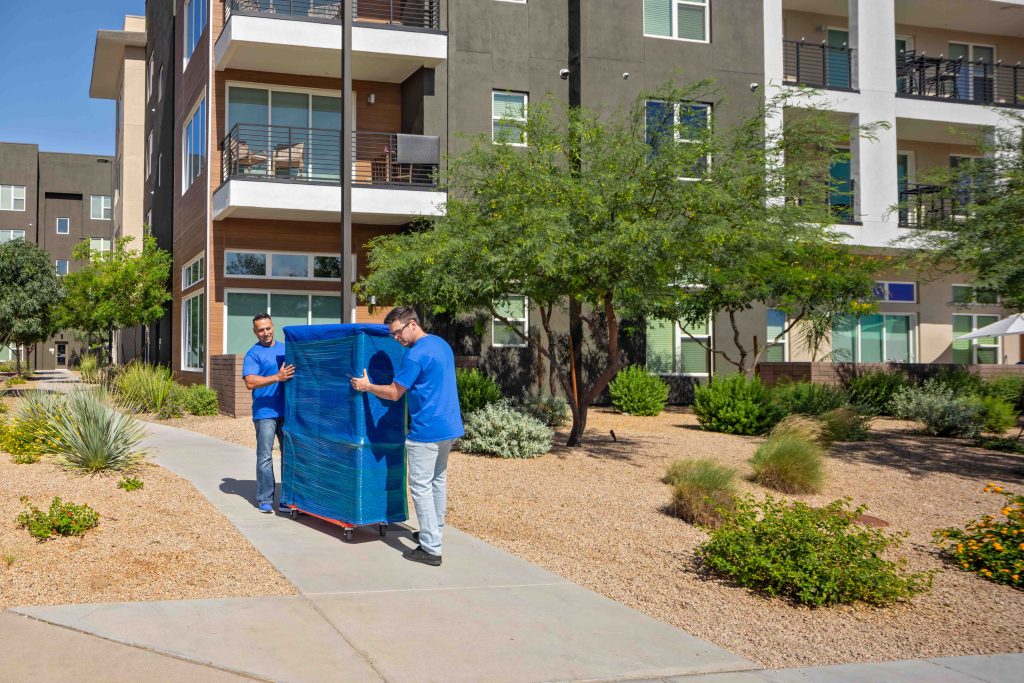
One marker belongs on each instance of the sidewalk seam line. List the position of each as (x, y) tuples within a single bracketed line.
[(961, 673), (362, 655), (438, 588)]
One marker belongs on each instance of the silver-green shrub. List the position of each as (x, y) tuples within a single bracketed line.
[(90, 436), (941, 411), (501, 430)]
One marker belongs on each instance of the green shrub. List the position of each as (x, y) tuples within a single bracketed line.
[(199, 399), (31, 433), (476, 390), (997, 415), (130, 483), (143, 388), (990, 547), (1007, 445), (1010, 388), (90, 436), (63, 519), (735, 405), (806, 398), (808, 428), (790, 463), (499, 429), (7, 366), (942, 413), (89, 368), (845, 424), (26, 458), (872, 392), (551, 410), (812, 556), (701, 489), (635, 391), (959, 381), (16, 380)]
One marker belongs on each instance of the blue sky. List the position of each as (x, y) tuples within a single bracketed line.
[(46, 52)]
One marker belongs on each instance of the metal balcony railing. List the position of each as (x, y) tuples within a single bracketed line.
[(286, 153), (928, 206), (818, 65), (413, 14), (839, 196), (918, 75)]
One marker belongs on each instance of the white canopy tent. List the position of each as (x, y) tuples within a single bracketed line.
[(1012, 325)]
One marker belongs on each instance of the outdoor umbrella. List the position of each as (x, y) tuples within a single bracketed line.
[(1012, 325)]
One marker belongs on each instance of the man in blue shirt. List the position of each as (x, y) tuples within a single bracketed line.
[(263, 371), (428, 375)]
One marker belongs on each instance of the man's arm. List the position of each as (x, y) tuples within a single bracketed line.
[(257, 381), (388, 392)]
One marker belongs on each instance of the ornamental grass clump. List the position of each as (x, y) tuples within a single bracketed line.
[(635, 391), (939, 409), (476, 390), (806, 398), (501, 430), (701, 490), (845, 424), (143, 388), (991, 547), (789, 463), (803, 426), (89, 368), (735, 405), (808, 555), (62, 519), (92, 437)]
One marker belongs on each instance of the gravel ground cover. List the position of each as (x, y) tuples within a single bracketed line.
[(162, 542), (597, 516)]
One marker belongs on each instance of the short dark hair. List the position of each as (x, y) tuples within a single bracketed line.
[(260, 316), (402, 314)]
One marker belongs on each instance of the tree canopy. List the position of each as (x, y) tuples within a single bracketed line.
[(30, 291)]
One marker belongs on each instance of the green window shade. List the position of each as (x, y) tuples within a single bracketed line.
[(512, 307), (326, 310), (241, 308), (985, 296), (700, 330), (844, 339), (658, 17), (506, 334), (288, 309), (984, 321), (961, 349), (897, 338), (660, 346), (693, 357), (962, 294), (776, 353), (988, 356), (871, 339), (691, 22)]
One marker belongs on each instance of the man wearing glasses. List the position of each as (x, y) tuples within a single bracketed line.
[(428, 375)]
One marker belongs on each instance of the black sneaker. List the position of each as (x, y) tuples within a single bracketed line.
[(416, 536), (418, 554)]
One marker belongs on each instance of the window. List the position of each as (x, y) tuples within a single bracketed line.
[(8, 235), (984, 350), (513, 307), (195, 24), (99, 207), (975, 80), (670, 350), (62, 353), (159, 169), (194, 145), (287, 308), (282, 265), (840, 189), (149, 79), (877, 338), (776, 351), (12, 197), (193, 272), (680, 19), (149, 155), (508, 113), (967, 294), (62, 267), (100, 244), (160, 85), (683, 122), (63, 226), (902, 292), (193, 332)]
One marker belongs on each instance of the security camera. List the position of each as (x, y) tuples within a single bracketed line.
[(563, 74), (754, 87), (625, 76)]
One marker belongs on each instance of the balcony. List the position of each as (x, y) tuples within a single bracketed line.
[(959, 80), (927, 207), (282, 172), (818, 65), (391, 39)]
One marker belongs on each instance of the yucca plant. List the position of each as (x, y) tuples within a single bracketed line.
[(144, 388), (92, 437)]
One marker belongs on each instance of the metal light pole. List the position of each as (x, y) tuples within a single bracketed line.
[(347, 141)]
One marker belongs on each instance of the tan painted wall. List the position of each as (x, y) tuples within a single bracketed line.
[(131, 149), (927, 156)]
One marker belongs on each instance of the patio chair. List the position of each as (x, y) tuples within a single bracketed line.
[(327, 10), (245, 158), (287, 157), (944, 81)]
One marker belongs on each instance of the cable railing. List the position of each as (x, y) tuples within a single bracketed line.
[(959, 80), (413, 14), (286, 153), (818, 64)]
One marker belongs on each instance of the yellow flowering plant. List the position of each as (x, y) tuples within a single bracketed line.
[(993, 546)]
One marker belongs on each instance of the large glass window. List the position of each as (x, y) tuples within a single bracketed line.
[(681, 19), (282, 265), (289, 265), (681, 122), (984, 350), (508, 113), (676, 349), (194, 146), (100, 244), (967, 294), (193, 332), (193, 273), (901, 292), (12, 197), (195, 24), (285, 308), (514, 308), (776, 351), (876, 338), (99, 208), (8, 235)]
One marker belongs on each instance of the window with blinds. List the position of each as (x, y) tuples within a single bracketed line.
[(508, 113), (680, 19), (984, 350), (671, 351), (514, 309), (776, 351), (877, 338)]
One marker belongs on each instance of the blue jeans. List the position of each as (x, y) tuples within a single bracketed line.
[(428, 484), (266, 430)]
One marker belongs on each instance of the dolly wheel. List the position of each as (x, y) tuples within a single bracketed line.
[(294, 514), (348, 535), (383, 529)]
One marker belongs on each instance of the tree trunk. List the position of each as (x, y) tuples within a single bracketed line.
[(579, 425)]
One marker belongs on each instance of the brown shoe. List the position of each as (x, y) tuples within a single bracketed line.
[(418, 554)]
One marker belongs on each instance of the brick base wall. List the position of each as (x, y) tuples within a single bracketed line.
[(226, 379), (838, 373)]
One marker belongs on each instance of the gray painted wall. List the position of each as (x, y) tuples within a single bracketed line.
[(19, 165)]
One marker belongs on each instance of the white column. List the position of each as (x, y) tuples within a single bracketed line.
[(773, 67), (873, 36)]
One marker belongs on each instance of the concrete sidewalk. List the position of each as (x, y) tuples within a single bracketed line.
[(366, 614)]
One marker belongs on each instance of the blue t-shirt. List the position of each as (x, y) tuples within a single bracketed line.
[(428, 375), (267, 401)]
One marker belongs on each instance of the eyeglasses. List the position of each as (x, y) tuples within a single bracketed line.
[(398, 333)]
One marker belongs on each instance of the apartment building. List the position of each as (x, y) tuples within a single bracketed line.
[(55, 201)]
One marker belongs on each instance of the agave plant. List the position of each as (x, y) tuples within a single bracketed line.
[(90, 436)]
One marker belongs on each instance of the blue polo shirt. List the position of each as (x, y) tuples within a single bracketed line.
[(267, 401), (428, 375)]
